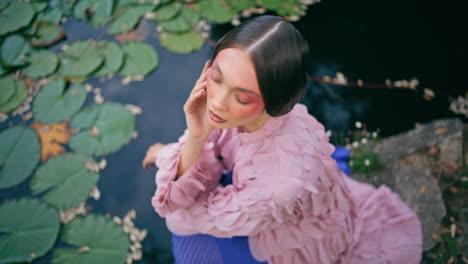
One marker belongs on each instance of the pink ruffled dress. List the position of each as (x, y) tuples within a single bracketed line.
[(288, 196)]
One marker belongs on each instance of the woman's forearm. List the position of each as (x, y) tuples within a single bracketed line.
[(191, 151)]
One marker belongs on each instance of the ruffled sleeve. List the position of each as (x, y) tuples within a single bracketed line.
[(260, 198), (203, 176)]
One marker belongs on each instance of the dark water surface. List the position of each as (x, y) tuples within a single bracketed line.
[(371, 40)]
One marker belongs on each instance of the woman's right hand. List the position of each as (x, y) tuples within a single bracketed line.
[(195, 108)]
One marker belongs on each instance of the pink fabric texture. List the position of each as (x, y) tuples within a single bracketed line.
[(288, 196)]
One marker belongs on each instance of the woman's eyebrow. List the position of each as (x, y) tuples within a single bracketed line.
[(237, 88)]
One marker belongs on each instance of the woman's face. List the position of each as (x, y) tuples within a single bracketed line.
[(233, 94)]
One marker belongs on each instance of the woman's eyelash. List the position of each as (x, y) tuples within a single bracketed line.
[(237, 98), (215, 80), (240, 101)]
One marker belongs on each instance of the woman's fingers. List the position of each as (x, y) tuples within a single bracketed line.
[(152, 155), (148, 163), (205, 69), (202, 77), (197, 93)]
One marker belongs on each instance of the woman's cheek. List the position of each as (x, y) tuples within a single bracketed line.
[(251, 109)]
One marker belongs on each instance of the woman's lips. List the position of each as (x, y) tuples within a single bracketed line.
[(215, 118)]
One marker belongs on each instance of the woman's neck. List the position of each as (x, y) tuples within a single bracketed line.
[(257, 124)]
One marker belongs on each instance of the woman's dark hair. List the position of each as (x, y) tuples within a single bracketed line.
[(279, 54)]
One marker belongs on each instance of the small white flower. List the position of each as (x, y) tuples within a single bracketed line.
[(355, 144), (374, 134), (358, 124), (366, 162), (329, 133), (364, 140)]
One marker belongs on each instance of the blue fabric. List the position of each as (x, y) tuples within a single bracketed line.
[(206, 249), (341, 155)]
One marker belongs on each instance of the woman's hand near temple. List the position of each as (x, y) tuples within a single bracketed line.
[(197, 123), (196, 110), (152, 155)]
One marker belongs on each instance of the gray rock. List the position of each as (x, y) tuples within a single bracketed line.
[(412, 161)]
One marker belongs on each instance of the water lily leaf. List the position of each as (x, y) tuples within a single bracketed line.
[(55, 102), (19, 155), (80, 59), (39, 6), (54, 15), (17, 15), (66, 180), (3, 71), (3, 4), (65, 5), (8, 85), (182, 42), (42, 63), (239, 5), (29, 228), (287, 8), (113, 58), (129, 18), (109, 126), (14, 50), (217, 11), (140, 59), (99, 11), (83, 8), (167, 11), (20, 94), (46, 33), (51, 137), (106, 241), (185, 21)]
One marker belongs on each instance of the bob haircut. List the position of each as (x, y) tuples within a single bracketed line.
[(279, 54)]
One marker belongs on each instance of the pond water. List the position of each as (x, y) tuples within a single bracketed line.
[(363, 39)]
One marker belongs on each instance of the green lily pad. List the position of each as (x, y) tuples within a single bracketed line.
[(217, 11), (3, 71), (106, 240), (3, 4), (99, 11), (65, 5), (113, 58), (109, 126), (140, 59), (55, 103), (167, 11), (19, 155), (29, 228), (66, 179), (182, 42), (53, 15), (14, 50), (240, 5), (20, 95), (46, 33), (80, 59), (8, 85), (128, 19), (288, 8), (16, 16), (185, 21), (42, 63), (38, 6)]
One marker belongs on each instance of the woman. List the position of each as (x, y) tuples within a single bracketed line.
[(288, 195)]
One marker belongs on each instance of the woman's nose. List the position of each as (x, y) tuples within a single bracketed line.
[(219, 101)]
